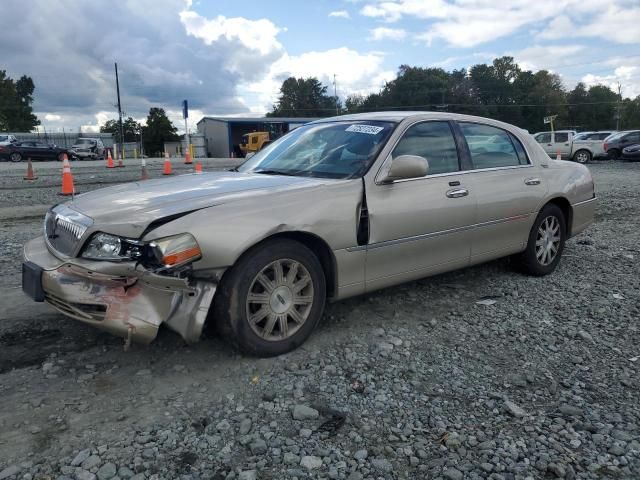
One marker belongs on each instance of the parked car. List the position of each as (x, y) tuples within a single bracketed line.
[(614, 144), (556, 142), (589, 145), (336, 208), (632, 152), (6, 139), (88, 148), (18, 151)]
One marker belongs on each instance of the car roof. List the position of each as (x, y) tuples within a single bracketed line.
[(399, 116)]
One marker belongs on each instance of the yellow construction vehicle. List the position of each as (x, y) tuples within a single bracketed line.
[(254, 142)]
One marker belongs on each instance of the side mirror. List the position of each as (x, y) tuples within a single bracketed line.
[(406, 166)]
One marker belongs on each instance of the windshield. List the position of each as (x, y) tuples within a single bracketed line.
[(85, 141), (4, 138), (328, 150)]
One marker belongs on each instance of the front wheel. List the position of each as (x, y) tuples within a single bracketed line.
[(613, 154), (15, 157), (582, 156), (546, 242), (270, 301)]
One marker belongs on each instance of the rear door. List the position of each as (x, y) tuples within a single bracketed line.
[(508, 189), (421, 225), (562, 144)]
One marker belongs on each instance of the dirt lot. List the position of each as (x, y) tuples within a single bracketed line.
[(417, 381)]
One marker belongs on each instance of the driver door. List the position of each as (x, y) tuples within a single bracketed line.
[(420, 226)]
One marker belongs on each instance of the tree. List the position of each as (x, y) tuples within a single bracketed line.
[(16, 97), (630, 113), (157, 131), (130, 127), (304, 97)]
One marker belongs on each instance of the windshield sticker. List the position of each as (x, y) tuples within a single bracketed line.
[(368, 129)]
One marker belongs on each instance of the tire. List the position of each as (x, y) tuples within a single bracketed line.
[(531, 261), (61, 157), (15, 157), (582, 156), (232, 306), (613, 153)]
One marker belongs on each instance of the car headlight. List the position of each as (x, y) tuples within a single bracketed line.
[(103, 246), (176, 250)]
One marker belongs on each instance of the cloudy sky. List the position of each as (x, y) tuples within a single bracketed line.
[(229, 57)]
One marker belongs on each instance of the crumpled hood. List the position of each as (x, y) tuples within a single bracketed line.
[(136, 205)]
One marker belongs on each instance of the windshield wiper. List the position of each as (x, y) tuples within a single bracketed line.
[(274, 172)]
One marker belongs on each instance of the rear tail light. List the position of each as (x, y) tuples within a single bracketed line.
[(605, 146)]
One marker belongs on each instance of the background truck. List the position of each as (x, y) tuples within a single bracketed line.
[(254, 142), (579, 147)]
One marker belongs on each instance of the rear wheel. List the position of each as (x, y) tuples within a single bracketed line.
[(613, 153), (15, 157), (546, 242), (582, 156), (271, 299)]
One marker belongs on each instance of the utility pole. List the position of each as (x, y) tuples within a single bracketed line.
[(335, 93), (119, 113), (618, 107)]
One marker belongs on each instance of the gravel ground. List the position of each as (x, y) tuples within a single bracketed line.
[(418, 381)]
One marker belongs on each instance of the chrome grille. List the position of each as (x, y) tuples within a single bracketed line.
[(64, 228)]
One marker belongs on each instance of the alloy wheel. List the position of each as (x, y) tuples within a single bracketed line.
[(279, 300), (582, 157), (548, 240)]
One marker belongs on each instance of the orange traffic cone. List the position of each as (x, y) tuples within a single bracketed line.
[(187, 158), (67, 178), (30, 175), (558, 156), (110, 160), (198, 168), (144, 175), (120, 164), (167, 165)]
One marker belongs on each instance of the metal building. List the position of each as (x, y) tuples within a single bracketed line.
[(224, 134)]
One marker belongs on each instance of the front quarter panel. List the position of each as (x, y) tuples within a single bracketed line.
[(224, 232)]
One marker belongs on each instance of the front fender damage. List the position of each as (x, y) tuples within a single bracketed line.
[(124, 299)]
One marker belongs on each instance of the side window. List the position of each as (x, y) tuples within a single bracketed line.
[(543, 138), (633, 137), (433, 141), (490, 147), (562, 137)]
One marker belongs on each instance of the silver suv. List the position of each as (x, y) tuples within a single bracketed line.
[(88, 148)]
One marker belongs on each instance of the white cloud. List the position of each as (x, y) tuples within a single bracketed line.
[(467, 23), (384, 33), (356, 73), (340, 14), (628, 76), (547, 57), (617, 23), (256, 35), (51, 117)]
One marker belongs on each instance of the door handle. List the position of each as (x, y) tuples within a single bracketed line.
[(457, 193), (532, 181)]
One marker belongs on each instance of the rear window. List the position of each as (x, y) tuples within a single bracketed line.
[(492, 147)]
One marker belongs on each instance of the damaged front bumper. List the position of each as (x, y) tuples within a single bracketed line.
[(122, 298)]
